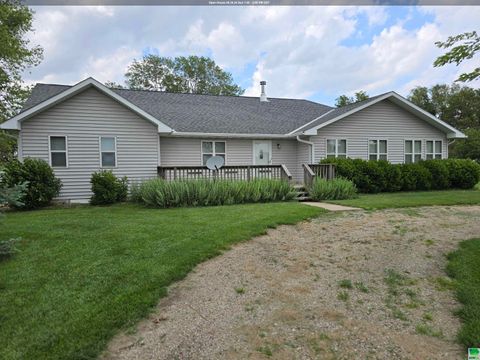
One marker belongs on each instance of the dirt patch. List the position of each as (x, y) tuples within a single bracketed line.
[(363, 285)]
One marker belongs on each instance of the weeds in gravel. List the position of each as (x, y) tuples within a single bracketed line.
[(345, 284), (424, 329), (443, 283), (343, 295), (240, 290), (400, 230), (362, 287), (429, 242), (428, 316), (411, 212), (397, 313), (265, 350)]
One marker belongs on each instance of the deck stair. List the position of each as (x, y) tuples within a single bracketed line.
[(301, 193)]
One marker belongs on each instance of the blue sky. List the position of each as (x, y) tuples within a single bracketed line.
[(302, 52)]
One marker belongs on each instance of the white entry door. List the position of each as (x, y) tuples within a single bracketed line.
[(262, 152)]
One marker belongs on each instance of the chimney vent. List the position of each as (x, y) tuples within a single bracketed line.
[(263, 95)]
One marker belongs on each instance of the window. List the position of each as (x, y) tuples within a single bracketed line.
[(433, 149), (108, 151), (413, 151), (58, 151), (336, 148), (377, 149), (212, 148)]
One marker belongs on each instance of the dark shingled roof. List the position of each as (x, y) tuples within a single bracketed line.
[(209, 113)]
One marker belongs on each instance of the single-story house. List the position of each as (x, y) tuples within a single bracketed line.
[(140, 134)]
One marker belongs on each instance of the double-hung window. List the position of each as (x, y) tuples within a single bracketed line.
[(336, 148), (212, 148), (413, 151), (108, 151), (58, 151), (377, 149), (433, 149)]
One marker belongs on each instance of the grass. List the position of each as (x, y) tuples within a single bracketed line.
[(82, 274), (412, 199), (343, 295), (424, 329), (346, 284), (463, 267)]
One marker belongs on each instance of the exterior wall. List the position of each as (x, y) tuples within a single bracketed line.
[(83, 118), (176, 151), (383, 120)]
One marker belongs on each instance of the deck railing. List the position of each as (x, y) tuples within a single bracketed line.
[(324, 171), (243, 172)]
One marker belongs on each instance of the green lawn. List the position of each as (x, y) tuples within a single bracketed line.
[(410, 199), (84, 273), (464, 267)]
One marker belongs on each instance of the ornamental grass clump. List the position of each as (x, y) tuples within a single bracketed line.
[(336, 189), (165, 194)]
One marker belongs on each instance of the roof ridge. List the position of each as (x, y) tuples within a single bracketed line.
[(180, 93)]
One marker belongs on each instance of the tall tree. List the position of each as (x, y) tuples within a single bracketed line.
[(16, 55), (468, 148), (343, 100), (192, 74), (457, 105), (462, 47)]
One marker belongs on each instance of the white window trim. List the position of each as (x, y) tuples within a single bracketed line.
[(378, 148), (213, 150), (50, 151), (413, 153), (336, 147), (427, 153), (270, 150), (100, 151)]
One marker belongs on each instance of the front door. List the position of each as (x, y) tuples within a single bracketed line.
[(262, 152)]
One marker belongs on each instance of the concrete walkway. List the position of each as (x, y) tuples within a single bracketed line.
[(330, 207)]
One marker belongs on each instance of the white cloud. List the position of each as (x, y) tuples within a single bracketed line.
[(298, 50)]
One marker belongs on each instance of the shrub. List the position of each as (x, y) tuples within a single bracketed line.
[(164, 194), (107, 188), (42, 185), (368, 176), (463, 173), (440, 174), (336, 189), (392, 175), (415, 177), (8, 248)]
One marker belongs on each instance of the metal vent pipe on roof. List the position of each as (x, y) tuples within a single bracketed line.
[(263, 95)]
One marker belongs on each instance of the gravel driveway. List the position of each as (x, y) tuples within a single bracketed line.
[(352, 285)]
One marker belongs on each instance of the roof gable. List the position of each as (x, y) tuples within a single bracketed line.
[(55, 96), (344, 111)]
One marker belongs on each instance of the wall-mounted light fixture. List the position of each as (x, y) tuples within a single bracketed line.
[(278, 146)]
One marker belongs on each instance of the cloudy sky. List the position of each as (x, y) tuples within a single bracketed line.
[(302, 52)]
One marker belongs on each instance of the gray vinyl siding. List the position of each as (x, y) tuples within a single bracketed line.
[(383, 120), (176, 151), (303, 157), (83, 118)]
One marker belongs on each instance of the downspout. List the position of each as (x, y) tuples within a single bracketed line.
[(311, 147)]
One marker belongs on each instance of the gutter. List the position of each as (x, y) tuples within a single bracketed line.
[(312, 154), (230, 135)]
